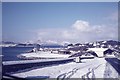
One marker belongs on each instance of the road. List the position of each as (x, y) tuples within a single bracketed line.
[(115, 63)]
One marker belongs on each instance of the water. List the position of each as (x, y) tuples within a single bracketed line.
[(10, 53)]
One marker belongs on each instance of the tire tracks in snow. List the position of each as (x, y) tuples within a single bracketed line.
[(68, 75)]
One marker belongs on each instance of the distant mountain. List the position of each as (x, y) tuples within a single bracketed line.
[(8, 42), (111, 42), (104, 44)]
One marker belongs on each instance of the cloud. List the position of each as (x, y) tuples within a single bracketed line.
[(81, 25), (80, 31), (68, 34), (52, 42), (84, 26), (83, 31), (49, 34)]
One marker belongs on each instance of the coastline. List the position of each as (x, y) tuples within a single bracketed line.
[(42, 55)]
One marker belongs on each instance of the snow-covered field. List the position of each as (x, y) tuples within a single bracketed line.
[(88, 68), (42, 54)]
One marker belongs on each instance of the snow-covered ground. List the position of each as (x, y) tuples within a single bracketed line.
[(42, 54), (83, 56), (88, 68), (110, 72), (48, 54), (98, 51)]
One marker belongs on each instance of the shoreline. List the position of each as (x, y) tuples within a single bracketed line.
[(32, 58), (41, 55)]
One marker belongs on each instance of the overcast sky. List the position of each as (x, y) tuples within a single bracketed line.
[(60, 22)]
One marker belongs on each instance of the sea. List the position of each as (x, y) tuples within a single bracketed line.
[(10, 53)]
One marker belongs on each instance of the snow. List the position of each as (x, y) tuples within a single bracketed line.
[(104, 41), (98, 51), (88, 68), (110, 56), (33, 61), (42, 54), (110, 72), (83, 56)]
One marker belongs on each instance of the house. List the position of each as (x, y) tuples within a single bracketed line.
[(64, 51), (108, 52)]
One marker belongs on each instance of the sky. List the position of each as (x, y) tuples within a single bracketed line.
[(59, 22)]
